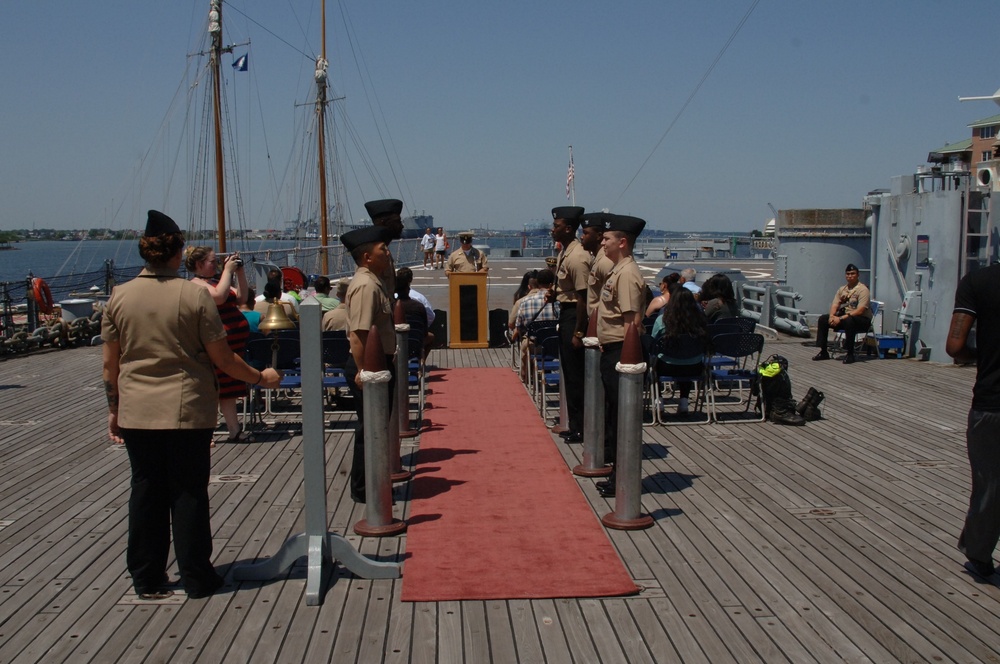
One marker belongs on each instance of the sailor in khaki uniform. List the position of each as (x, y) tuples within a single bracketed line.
[(386, 213), (162, 334), (466, 258), (367, 305), (592, 240), (623, 300), (572, 274)]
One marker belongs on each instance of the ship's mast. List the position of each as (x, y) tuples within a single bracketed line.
[(215, 57), (321, 75)]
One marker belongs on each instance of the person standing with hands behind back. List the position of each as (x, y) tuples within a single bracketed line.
[(227, 291), (162, 334)]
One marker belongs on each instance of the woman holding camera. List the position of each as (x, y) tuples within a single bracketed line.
[(227, 289)]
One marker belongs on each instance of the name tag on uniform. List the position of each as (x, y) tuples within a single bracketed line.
[(608, 292)]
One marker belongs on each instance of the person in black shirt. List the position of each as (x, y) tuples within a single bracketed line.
[(977, 300)]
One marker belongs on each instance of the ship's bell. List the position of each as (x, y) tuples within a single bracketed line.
[(276, 319)]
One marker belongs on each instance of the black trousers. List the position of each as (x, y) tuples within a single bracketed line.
[(358, 462), (571, 365), (170, 470), (611, 354), (851, 325)]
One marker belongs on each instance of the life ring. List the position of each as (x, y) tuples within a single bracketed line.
[(43, 295), (294, 278)]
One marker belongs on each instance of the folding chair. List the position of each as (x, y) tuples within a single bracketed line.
[(537, 333), (336, 351), (746, 350), (417, 368), (669, 353), (717, 361), (742, 323), (261, 353), (547, 366)]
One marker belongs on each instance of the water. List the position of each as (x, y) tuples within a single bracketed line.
[(49, 259)]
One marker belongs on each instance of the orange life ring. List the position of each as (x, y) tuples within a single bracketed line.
[(43, 295)]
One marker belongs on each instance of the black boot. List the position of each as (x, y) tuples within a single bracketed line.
[(783, 412), (809, 406), (806, 400)]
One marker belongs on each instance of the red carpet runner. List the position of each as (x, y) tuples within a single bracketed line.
[(496, 512)]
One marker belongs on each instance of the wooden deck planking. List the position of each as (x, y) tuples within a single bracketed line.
[(734, 573)]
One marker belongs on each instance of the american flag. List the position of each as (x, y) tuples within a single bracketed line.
[(569, 177)]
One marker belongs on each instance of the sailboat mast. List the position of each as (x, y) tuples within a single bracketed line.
[(215, 29), (321, 74)]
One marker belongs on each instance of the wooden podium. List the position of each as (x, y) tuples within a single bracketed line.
[(467, 314)]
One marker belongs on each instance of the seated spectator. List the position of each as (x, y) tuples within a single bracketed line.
[(682, 316), (667, 284), (253, 317), (412, 308), (535, 307), (718, 298), (336, 318), (687, 280), (850, 311), (272, 294), (529, 282), (322, 286)]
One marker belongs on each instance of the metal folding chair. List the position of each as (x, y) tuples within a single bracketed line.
[(680, 351), (746, 350), (840, 338), (547, 366)]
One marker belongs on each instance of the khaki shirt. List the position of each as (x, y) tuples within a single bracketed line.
[(367, 305), (623, 293), (572, 271), (600, 268), (459, 262), (165, 378), (852, 299), (335, 319)]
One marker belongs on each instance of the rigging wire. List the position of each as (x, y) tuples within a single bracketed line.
[(687, 102)]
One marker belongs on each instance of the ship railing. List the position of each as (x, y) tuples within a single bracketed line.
[(773, 307)]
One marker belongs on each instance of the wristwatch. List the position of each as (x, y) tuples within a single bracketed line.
[(578, 334)]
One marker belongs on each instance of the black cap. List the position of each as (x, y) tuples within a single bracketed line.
[(596, 220), (361, 236), (851, 267), (158, 223), (384, 207), (570, 213), (625, 224)]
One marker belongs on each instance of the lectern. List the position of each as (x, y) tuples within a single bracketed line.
[(467, 319)]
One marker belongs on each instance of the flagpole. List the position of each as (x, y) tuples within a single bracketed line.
[(571, 179)]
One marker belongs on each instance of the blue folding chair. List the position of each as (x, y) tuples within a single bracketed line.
[(670, 359), (746, 350)]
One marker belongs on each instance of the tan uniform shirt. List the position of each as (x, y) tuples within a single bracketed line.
[(335, 319), (624, 293), (459, 262), (367, 305), (852, 299), (165, 378), (572, 271), (600, 268)]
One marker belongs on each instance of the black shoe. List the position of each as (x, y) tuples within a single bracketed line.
[(849, 359), (567, 433), (358, 498), (574, 437), (204, 590), (980, 570), (822, 355), (603, 484), (155, 595), (606, 491)]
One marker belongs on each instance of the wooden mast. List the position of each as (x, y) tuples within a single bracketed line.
[(321, 75), (215, 29)]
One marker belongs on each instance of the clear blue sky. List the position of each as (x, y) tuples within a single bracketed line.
[(812, 105)]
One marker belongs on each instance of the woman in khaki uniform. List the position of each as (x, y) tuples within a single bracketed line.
[(162, 334)]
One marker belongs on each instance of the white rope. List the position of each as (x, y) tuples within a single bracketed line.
[(631, 368), (591, 342), (402, 327), (376, 376)]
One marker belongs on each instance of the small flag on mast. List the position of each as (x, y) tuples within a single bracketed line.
[(569, 177), (241, 62)]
